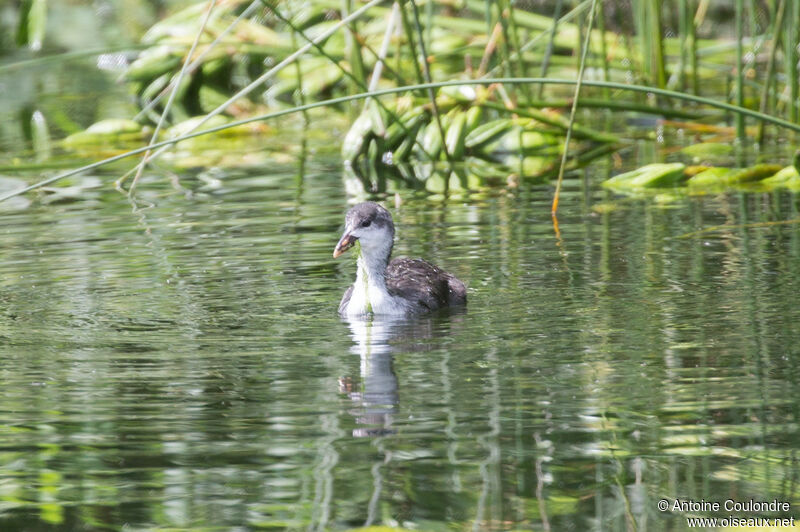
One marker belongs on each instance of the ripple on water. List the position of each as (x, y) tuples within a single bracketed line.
[(183, 365)]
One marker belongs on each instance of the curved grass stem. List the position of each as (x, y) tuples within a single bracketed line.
[(410, 88)]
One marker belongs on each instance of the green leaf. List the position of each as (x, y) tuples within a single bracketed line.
[(32, 24), (708, 150), (650, 176)]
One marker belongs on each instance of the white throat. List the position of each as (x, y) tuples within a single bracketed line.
[(369, 291)]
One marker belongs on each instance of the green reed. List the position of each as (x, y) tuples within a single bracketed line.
[(513, 41), (332, 102), (739, 23), (791, 40), (576, 97), (769, 84)]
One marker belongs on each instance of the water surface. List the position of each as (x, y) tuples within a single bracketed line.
[(178, 362)]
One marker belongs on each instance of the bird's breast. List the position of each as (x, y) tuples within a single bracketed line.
[(368, 298)]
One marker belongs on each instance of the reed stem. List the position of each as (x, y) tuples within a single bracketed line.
[(790, 126), (431, 93), (184, 68), (739, 23), (790, 44), (769, 81), (575, 99), (353, 47), (550, 44), (274, 70)]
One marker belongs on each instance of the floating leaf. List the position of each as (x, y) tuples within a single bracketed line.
[(708, 150), (755, 173), (114, 126), (787, 177), (112, 129), (487, 132), (454, 138), (711, 177), (720, 176), (356, 138), (650, 176)]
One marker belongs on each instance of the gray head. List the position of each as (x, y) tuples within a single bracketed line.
[(370, 224)]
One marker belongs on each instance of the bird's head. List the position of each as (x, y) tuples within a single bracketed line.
[(371, 225)]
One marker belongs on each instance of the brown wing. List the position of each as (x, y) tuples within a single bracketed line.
[(425, 285)]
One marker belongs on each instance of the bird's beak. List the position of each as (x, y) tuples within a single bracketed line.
[(346, 242)]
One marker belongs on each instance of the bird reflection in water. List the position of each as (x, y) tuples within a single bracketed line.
[(377, 340)]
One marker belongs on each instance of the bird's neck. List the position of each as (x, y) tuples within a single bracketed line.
[(372, 263)]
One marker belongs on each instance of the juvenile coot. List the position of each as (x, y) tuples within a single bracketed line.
[(400, 287)]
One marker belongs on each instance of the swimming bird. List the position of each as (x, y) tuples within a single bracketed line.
[(400, 287)]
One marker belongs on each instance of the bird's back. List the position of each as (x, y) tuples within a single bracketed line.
[(424, 285)]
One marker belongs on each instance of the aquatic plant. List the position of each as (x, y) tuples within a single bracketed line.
[(652, 179), (231, 56)]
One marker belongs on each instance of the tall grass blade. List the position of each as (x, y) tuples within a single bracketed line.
[(275, 69), (515, 42), (197, 61), (360, 83), (431, 94), (300, 98), (576, 11), (32, 24), (412, 45), (739, 23), (643, 39), (656, 34), (412, 88), (791, 41), (550, 44), (505, 42), (387, 38), (601, 25), (684, 35), (697, 21), (769, 80), (353, 47), (575, 99), (168, 105)]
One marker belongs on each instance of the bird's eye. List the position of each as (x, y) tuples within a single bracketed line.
[(366, 223)]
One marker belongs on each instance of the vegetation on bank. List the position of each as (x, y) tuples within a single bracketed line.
[(222, 64)]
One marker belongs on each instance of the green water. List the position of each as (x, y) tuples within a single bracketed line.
[(179, 363)]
